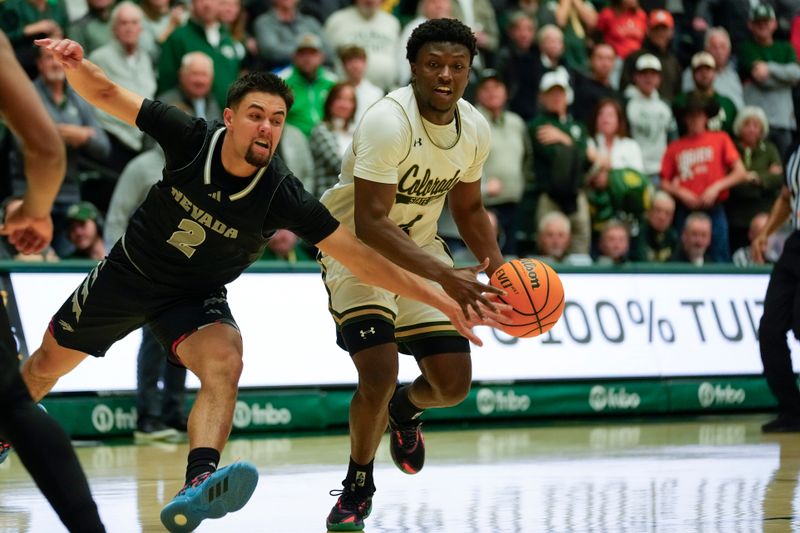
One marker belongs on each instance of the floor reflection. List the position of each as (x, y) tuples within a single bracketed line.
[(716, 474)]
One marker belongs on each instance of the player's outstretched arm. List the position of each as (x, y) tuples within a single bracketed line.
[(373, 201), (374, 269), (27, 223), (91, 82)]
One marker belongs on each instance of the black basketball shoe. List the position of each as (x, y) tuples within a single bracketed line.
[(350, 510), (407, 445)]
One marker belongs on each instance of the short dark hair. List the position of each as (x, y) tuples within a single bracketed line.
[(265, 82), (441, 31)]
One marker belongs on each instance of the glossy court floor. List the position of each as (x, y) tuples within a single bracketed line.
[(707, 475)]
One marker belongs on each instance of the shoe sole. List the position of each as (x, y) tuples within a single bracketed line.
[(228, 493)]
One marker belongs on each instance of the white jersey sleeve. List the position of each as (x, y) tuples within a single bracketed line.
[(381, 142), (482, 148)]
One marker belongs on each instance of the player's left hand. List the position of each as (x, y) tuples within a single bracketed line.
[(29, 235), (491, 317), (67, 52)]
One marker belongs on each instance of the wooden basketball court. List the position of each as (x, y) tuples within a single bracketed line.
[(711, 474)]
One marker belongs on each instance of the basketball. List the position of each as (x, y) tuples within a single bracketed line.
[(534, 291)]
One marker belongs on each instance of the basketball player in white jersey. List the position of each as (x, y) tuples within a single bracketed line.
[(418, 145)]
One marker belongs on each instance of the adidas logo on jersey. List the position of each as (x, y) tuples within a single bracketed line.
[(66, 326), (217, 195)]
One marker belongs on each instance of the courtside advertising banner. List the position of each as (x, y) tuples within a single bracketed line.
[(614, 326)]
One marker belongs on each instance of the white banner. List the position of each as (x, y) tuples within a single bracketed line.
[(614, 325)]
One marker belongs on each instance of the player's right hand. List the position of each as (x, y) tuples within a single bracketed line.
[(462, 285), (29, 235), (66, 51)]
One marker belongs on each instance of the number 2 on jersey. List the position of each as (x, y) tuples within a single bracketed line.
[(191, 236)]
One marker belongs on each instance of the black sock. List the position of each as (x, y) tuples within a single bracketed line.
[(201, 460), (359, 478), (400, 407)]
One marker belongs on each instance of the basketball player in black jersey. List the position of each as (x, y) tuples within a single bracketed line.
[(222, 195), (40, 442)]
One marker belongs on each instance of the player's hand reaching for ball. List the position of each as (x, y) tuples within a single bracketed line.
[(464, 323), (462, 285), (67, 52)]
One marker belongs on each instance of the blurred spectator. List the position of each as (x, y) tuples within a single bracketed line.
[(310, 83), (769, 69), (278, 31), (508, 169), (550, 40), (81, 133), (703, 73), (93, 30), (649, 116), (26, 20), (726, 79), (193, 93), (618, 188), (204, 33), (695, 241), (577, 19), (129, 66), (623, 25), (699, 168), (764, 175), (657, 43), (560, 159), (743, 256), (429, 9), (285, 246), (354, 65), (296, 153), (330, 138), (85, 230), (233, 18), (159, 21), (614, 244), (322, 9), (377, 32), (553, 240), (729, 14), (589, 90), (659, 238), (480, 16), (520, 66), (134, 183)]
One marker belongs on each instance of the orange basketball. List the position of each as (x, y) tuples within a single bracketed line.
[(535, 292)]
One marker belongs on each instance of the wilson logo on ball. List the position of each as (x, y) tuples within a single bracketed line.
[(535, 293)]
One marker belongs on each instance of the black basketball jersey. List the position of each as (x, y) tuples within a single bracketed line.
[(200, 227)]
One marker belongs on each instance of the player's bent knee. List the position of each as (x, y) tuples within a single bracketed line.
[(452, 392), (377, 391)]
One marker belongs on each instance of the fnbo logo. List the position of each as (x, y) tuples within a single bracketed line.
[(242, 415)]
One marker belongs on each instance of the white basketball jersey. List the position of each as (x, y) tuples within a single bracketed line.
[(394, 145)]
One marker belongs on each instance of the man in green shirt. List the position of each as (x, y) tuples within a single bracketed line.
[(26, 20), (309, 81), (561, 158), (703, 73), (201, 33)]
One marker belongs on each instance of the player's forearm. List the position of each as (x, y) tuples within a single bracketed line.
[(89, 81), (480, 236), (393, 243)]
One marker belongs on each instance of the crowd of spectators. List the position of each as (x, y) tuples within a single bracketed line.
[(622, 130)]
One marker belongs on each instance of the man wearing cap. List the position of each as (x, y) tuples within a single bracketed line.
[(769, 69), (703, 72), (649, 116), (85, 231), (726, 78), (310, 82), (279, 29), (507, 170), (561, 158), (202, 32), (661, 28), (699, 168)]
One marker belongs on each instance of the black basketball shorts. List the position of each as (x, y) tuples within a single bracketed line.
[(116, 299)]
